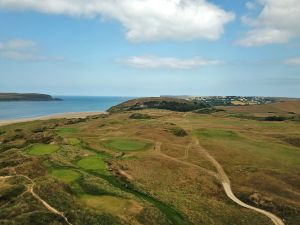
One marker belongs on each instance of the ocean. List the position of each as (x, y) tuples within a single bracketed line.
[(28, 109)]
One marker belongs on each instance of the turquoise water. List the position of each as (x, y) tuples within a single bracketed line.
[(17, 110)]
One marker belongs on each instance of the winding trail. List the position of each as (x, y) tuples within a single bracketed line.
[(227, 187), (158, 151), (37, 197)]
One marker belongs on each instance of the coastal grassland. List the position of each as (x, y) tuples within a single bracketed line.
[(102, 174), (42, 149), (261, 165)]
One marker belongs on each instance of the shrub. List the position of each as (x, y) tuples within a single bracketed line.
[(178, 131), (275, 118), (208, 110), (9, 193), (139, 116), (39, 129), (91, 188), (18, 130)]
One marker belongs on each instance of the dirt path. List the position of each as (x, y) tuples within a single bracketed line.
[(227, 188), (37, 197), (158, 150), (186, 151), (126, 175)]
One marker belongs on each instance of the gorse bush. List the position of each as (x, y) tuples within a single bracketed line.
[(139, 116), (178, 131)]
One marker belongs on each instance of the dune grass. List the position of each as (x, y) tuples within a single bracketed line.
[(65, 175), (42, 149)]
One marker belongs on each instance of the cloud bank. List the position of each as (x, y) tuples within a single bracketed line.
[(144, 20), (23, 50), (154, 62), (277, 22), (293, 61)]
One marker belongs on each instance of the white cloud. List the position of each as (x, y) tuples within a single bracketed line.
[(154, 62), (293, 61), (144, 20), (20, 44), (23, 50), (17, 44), (251, 5), (276, 23)]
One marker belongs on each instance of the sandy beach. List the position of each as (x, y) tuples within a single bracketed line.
[(54, 116)]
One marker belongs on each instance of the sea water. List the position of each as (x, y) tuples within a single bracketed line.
[(28, 109)]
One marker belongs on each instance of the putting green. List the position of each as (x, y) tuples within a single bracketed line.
[(73, 141), (66, 130), (111, 205), (92, 163), (42, 149), (65, 175), (125, 145)]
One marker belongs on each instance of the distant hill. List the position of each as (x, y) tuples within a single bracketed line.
[(5, 97), (292, 106), (173, 104)]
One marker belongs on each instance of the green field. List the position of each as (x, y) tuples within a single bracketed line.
[(216, 133), (99, 172), (125, 145), (73, 141), (93, 163), (42, 149), (65, 175), (66, 130), (110, 204)]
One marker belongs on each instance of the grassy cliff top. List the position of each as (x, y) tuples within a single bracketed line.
[(173, 104), (26, 97)]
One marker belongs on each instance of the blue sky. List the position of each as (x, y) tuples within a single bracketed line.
[(150, 48)]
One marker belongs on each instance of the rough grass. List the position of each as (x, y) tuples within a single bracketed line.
[(125, 145), (42, 149), (254, 154), (65, 175), (139, 116), (94, 163), (216, 133)]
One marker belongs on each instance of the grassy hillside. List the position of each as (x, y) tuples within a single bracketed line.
[(277, 107), (115, 169), (173, 104), (26, 97)]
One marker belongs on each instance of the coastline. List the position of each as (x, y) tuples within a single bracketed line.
[(69, 115)]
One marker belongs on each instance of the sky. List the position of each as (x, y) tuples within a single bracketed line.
[(150, 47)]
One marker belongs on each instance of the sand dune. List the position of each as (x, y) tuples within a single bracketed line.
[(54, 116)]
